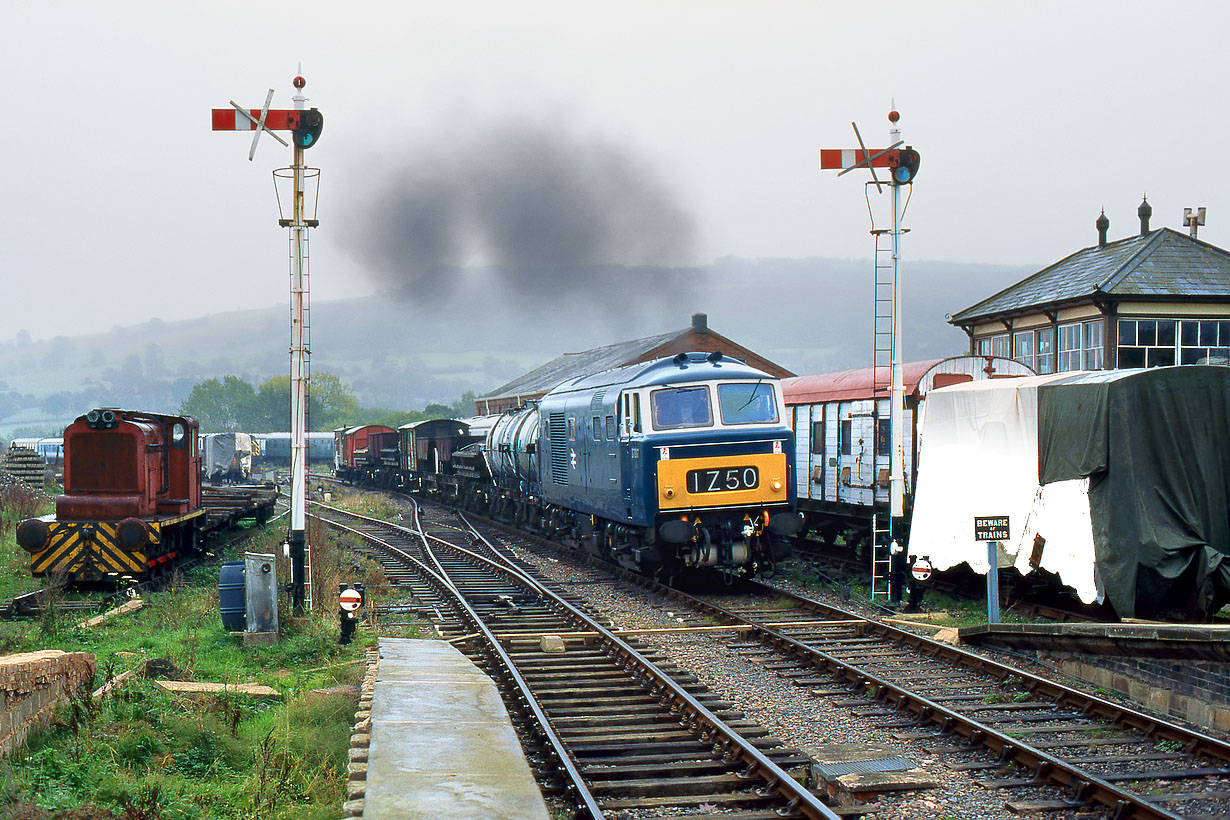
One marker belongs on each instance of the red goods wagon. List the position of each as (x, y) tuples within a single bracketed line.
[(357, 450)]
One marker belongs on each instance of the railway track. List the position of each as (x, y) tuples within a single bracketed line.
[(624, 729), (1016, 729)]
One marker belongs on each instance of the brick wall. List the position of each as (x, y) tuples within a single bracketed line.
[(1198, 691), (32, 685)]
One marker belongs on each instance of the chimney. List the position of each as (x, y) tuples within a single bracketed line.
[(700, 323), (1103, 226), (1144, 212)]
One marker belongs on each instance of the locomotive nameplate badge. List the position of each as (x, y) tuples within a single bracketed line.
[(991, 528), (777, 446), (666, 453)]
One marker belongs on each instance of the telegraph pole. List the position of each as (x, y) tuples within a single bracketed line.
[(305, 127)]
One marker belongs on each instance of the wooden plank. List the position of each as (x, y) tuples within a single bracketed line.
[(131, 606), (188, 687)]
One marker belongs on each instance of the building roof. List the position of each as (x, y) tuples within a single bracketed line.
[(570, 365), (698, 337), (1160, 264)]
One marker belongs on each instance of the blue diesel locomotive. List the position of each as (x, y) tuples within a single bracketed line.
[(676, 464)]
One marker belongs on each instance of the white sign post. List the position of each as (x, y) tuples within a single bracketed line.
[(992, 529)]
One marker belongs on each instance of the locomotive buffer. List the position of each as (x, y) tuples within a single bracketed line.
[(903, 167), (305, 127)]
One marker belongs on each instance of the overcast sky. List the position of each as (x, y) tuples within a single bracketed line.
[(118, 204)]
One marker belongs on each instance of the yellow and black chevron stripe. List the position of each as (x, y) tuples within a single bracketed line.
[(92, 549)]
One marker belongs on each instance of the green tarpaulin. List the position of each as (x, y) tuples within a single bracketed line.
[(1155, 445)]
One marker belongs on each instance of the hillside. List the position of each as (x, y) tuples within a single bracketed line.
[(401, 351)]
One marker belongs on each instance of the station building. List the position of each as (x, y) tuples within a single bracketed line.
[(695, 339), (1158, 298)]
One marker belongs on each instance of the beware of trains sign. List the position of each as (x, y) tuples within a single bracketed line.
[(991, 528)]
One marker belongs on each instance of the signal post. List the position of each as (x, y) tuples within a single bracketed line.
[(902, 163), (305, 126)]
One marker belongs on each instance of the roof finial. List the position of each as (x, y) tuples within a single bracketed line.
[(1103, 225), (1144, 212)]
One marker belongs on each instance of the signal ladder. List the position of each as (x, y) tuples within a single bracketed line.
[(882, 361)]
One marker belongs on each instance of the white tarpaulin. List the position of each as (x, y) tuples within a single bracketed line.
[(979, 457)]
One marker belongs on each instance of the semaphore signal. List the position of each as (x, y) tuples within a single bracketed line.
[(305, 125), (902, 163)]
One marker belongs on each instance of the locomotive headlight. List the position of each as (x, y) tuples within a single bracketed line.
[(777, 486), (669, 492)]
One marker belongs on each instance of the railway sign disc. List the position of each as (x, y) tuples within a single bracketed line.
[(921, 569), (350, 599)]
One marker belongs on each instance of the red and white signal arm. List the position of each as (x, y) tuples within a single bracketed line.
[(921, 569), (350, 599)]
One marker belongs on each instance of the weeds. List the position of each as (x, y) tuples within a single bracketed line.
[(19, 502)]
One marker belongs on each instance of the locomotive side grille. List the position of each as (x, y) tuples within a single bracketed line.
[(557, 435)]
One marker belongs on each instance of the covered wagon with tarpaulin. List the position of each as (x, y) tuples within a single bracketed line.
[(1117, 482), (227, 457)]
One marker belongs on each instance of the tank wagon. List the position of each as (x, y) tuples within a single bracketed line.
[(132, 503), (841, 430)]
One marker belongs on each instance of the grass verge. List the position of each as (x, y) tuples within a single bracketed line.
[(144, 754)]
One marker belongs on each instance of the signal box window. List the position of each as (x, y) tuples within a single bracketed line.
[(681, 407), (747, 403)]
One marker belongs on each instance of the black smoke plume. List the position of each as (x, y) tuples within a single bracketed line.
[(543, 212)]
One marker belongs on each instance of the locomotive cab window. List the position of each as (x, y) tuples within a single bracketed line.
[(179, 436), (747, 403), (681, 407)]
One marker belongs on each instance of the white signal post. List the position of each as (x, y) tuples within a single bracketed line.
[(306, 126), (903, 163), (298, 374), (896, 404)]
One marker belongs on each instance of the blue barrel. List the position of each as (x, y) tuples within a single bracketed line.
[(231, 597)]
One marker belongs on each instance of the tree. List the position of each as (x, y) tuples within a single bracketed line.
[(330, 403), (463, 408), (221, 406)]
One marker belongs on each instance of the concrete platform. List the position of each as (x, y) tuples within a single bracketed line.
[(1210, 642), (442, 745)]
